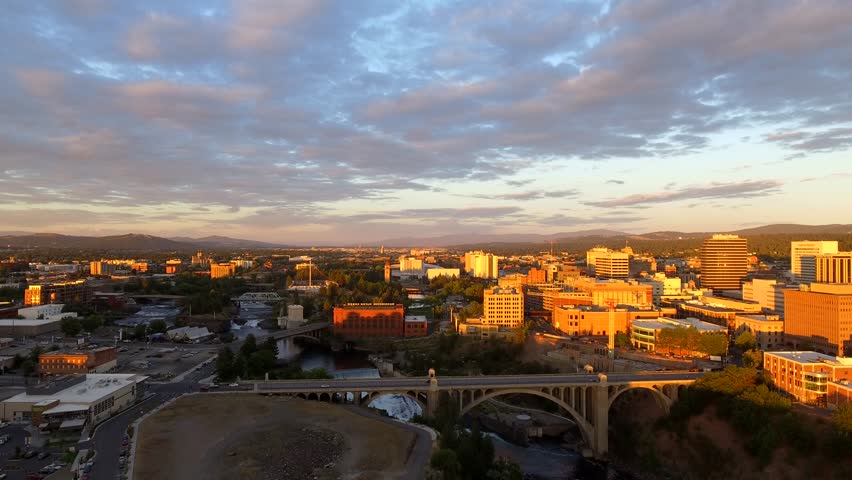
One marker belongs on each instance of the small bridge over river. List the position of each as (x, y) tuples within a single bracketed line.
[(586, 398)]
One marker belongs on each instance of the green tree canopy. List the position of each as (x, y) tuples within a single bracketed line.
[(90, 323), (745, 341), (158, 326), (842, 420), (753, 359), (70, 326)]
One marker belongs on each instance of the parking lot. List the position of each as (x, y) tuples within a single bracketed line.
[(160, 361), (17, 468)]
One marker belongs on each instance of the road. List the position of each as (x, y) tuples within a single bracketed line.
[(108, 436), (491, 381)]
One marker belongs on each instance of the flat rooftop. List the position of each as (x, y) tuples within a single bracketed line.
[(92, 389), (812, 357), (415, 318), (762, 318), (662, 323), (13, 322)]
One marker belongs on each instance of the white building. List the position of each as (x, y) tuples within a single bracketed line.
[(241, 263), (662, 286), (611, 265), (768, 293), (808, 248), (189, 334), (410, 264), (503, 307), (51, 312), (592, 256), (481, 265), (446, 272), (81, 400)]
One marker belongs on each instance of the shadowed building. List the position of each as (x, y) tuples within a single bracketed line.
[(369, 320)]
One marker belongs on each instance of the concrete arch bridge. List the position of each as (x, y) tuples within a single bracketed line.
[(586, 398)]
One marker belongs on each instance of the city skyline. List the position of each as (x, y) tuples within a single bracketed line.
[(333, 123)]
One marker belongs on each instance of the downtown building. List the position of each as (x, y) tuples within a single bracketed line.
[(724, 262), (75, 291), (827, 268), (811, 377), (612, 265), (481, 265), (369, 320), (807, 248), (820, 316), (221, 270)]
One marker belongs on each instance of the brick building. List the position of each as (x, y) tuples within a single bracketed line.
[(416, 326), (369, 320), (75, 291), (99, 360), (809, 376)]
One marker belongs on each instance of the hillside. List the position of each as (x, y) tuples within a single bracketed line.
[(218, 241), (128, 242)]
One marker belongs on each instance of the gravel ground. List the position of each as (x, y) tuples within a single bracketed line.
[(253, 437)]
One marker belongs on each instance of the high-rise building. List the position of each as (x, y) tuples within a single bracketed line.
[(820, 315), (219, 270), (808, 248), (537, 276), (503, 307), (101, 268), (724, 262), (481, 265), (387, 270), (173, 265), (592, 256), (611, 265), (828, 268)]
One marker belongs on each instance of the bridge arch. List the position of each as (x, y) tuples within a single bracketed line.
[(409, 394), (586, 428), (662, 400)]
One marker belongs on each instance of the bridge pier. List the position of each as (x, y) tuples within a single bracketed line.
[(600, 417)]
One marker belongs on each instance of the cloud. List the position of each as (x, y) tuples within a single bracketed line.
[(331, 107), (747, 189), (529, 195)]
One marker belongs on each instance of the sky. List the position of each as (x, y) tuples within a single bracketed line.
[(311, 121)]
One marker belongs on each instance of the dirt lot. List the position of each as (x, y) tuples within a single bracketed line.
[(220, 436)]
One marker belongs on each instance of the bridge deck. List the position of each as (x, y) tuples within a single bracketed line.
[(310, 327), (476, 382)]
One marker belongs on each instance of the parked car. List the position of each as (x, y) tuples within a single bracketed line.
[(29, 454), (43, 455), (234, 385)]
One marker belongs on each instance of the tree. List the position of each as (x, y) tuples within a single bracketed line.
[(27, 367), (504, 469), (225, 364), (753, 359), (240, 366), (713, 344), (158, 326), (745, 341), (622, 340), (270, 344), (70, 326), (842, 420), (140, 331), (447, 462), (249, 346), (90, 323)]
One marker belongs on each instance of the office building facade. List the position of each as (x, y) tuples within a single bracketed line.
[(820, 315), (612, 265), (503, 307), (807, 248), (481, 265), (369, 320), (724, 262), (829, 268)]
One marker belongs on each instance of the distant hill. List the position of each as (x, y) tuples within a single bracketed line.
[(793, 229), (491, 238), (217, 241), (130, 241)]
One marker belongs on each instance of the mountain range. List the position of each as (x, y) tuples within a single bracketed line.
[(140, 242), (129, 242)]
